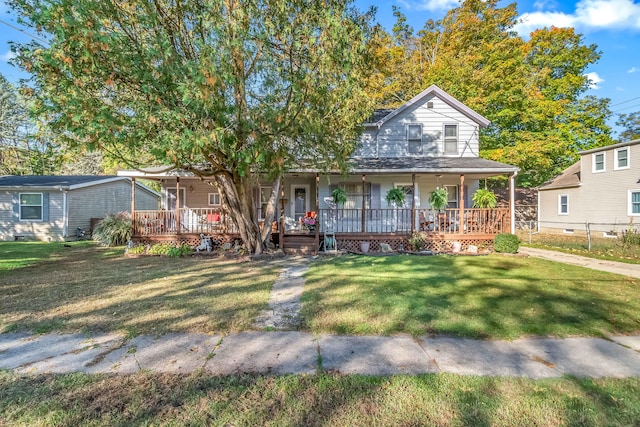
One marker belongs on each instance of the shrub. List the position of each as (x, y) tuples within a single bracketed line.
[(137, 250), (159, 249), (630, 237), (418, 240), (506, 243), (114, 230), (169, 250)]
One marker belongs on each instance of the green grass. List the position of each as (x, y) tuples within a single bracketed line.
[(482, 297), (317, 400), (601, 248), (85, 288)]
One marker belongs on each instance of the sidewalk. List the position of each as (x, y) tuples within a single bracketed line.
[(290, 352), (632, 270)]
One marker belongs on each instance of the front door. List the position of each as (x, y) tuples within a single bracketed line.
[(172, 197), (300, 201)]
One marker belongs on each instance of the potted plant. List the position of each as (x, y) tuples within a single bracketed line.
[(484, 198), (439, 198), (339, 196), (395, 197)]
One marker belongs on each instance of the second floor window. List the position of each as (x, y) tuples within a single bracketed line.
[(598, 162), (450, 139), (622, 158), (414, 139)]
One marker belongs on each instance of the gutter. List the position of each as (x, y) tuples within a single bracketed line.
[(65, 214)]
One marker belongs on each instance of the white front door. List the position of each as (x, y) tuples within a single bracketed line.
[(299, 201)]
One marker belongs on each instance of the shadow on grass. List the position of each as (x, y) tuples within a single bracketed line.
[(96, 290), (480, 297)]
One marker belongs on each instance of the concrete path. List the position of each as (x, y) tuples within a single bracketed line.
[(283, 352), (632, 270)]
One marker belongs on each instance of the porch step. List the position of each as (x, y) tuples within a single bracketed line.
[(300, 244)]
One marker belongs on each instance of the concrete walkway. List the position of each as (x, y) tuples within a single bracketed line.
[(632, 270), (284, 352)]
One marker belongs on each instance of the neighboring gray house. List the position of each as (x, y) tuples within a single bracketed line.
[(430, 141), (602, 189), (51, 208)]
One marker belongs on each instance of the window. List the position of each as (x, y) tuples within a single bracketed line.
[(450, 139), (214, 199), (622, 158), (414, 138), (598, 162), (31, 206), (634, 203), (453, 195), (563, 204)]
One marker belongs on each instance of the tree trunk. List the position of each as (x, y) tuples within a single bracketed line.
[(270, 211), (236, 192)]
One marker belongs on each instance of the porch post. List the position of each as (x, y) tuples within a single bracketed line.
[(413, 203), (461, 207), (177, 205), (281, 228), (363, 203), (512, 201), (317, 238), (133, 204)]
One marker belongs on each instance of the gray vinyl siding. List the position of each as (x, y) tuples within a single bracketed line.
[(602, 197), (391, 139), (50, 230)]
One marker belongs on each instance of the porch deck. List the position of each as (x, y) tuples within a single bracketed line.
[(348, 226)]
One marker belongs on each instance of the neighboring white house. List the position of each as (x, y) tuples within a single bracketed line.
[(52, 208), (602, 189)]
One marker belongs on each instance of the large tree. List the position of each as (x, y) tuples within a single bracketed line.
[(531, 90), (631, 126), (227, 89)]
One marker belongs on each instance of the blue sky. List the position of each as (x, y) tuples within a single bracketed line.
[(613, 25)]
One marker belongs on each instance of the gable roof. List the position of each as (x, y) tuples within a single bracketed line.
[(384, 115), (610, 147), (570, 177), (60, 182)]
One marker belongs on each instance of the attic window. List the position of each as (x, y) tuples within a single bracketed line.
[(429, 104), (414, 139)]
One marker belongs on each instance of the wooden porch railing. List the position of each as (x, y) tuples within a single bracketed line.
[(401, 221)]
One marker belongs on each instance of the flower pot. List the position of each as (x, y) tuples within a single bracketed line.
[(364, 247)]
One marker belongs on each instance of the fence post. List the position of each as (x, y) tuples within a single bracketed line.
[(530, 230), (588, 237)]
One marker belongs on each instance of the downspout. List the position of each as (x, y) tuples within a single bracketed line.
[(65, 214), (512, 203)]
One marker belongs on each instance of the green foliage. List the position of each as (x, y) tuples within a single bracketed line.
[(113, 230), (439, 198), (137, 250), (395, 197), (484, 198), (169, 250), (196, 84), (630, 237), (339, 196), (506, 243), (631, 124), (418, 240)]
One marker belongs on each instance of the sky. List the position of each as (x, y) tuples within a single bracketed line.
[(612, 25)]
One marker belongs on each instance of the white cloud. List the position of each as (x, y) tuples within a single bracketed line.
[(7, 56), (430, 5), (589, 14), (594, 80), (633, 70)]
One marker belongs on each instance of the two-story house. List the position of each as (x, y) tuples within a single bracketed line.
[(430, 141), (602, 189)]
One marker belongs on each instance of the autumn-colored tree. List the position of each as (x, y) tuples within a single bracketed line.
[(229, 90), (631, 126), (531, 90)]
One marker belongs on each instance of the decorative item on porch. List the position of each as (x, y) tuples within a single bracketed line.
[(339, 196), (484, 198), (439, 198), (395, 197), (309, 221), (364, 246)]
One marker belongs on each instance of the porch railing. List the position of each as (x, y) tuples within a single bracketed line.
[(401, 221)]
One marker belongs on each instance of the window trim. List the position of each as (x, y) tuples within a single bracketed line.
[(604, 162), (20, 205), (409, 139), (444, 139), (560, 196), (261, 211), (457, 199), (616, 166), (209, 199), (630, 202)]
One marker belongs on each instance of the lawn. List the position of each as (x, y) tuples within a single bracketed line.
[(482, 297), (85, 288), (199, 400)]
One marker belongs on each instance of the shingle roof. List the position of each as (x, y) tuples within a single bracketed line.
[(50, 180), (380, 114), (570, 177)]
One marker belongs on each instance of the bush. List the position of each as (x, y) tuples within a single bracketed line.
[(169, 250), (630, 237), (114, 230), (418, 240), (136, 250), (506, 243)]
